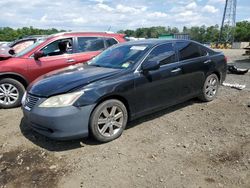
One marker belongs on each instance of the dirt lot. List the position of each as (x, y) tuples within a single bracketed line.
[(189, 145)]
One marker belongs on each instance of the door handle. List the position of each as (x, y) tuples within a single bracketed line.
[(70, 61), (207, 61), (176, 70)]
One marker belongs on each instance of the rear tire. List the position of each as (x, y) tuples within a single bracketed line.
[(210, 88), (11, 93), (108, 120)]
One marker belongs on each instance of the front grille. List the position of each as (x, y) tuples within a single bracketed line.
[(31, 101)]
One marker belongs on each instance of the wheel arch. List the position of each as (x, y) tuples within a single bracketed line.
[(15, 76), (217, 74), (117, 97)]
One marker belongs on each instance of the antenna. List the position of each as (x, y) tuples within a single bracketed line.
[(228, 22)]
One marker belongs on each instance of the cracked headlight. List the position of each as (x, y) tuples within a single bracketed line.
[(63, 100)]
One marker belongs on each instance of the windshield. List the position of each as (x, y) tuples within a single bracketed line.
[(26, 50), (119, 57)]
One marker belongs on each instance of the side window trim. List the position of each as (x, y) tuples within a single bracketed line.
[(191, 59), (74, 45)]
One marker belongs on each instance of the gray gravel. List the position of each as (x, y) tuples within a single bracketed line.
[(192, 144)]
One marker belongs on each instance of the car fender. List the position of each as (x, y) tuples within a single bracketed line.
[(14, 76)]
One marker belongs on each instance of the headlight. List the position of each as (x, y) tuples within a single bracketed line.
[(24, 98), (61, 100)]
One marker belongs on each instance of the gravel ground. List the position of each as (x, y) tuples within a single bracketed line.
[(192, 144)]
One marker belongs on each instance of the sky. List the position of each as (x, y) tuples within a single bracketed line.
[(100, 15)]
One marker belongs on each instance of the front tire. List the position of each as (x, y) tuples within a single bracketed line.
[(210, 88), (11, 93), (108, 120)]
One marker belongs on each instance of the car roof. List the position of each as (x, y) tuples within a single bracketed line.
[(153, 42), (79, 33), (156, 41)]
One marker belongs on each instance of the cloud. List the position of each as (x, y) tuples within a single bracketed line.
[(191, 6), (128, 9), (104, 7), (158, 15), (98, 1), (99, 15), (216, 1), (44, 18), (209, 9), (79, 21)]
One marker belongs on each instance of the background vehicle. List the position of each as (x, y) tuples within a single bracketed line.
[(45, 55), (123, 83), (3, 43), (17, 46)]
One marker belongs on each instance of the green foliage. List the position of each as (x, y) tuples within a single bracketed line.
[(151, 32), (9, 34), (202, 34), (242, 31)]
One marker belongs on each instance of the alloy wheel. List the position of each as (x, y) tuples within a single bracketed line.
[(8, 94), (110, 121), (211, 87)]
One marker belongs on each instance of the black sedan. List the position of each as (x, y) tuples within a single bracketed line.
[(124, 82)]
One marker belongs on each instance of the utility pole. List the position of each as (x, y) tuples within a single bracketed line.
[(228, 22)]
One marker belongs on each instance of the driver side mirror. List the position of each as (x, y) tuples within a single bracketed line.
[(150, 66), (38, 55)]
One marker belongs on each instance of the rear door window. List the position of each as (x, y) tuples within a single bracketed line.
[(203, 51), (188, 50), (164, 53), (110, 42), (88, 44)]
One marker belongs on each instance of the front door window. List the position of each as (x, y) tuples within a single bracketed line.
[(59, 47)]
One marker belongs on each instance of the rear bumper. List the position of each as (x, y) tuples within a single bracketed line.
[(59, 123), (223, 73), (223, 76)]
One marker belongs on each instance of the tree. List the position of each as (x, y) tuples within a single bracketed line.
[(198, 33), (242, 31), (9, 34), (212, 34)]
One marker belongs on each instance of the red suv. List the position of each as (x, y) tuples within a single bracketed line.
[(45, 55)]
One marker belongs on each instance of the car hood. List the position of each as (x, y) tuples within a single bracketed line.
[(68, 79)]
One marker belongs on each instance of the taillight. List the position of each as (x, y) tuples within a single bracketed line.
[(226, 59)]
